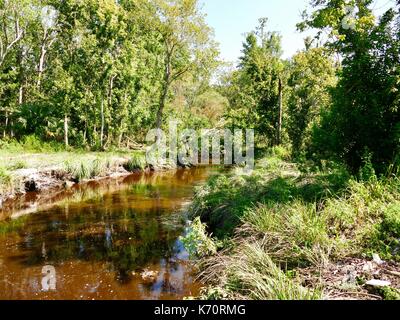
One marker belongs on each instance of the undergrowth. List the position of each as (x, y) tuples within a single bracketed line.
[(278, 220)]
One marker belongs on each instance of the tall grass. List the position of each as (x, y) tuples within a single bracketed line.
[(30, 143), (88, 168), (278, 221), (5, 180), (254, 274), (137, 162)]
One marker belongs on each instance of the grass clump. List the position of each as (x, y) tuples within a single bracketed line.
[(250, 273), (257, 276), (19, 164), (6, 180), (136, 163), (295, 235), (87, 169)]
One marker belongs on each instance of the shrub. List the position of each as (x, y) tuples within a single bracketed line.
[(386, 235), (20, 164), (197, 242)]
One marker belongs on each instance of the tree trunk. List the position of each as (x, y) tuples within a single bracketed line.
[(85, 133), (120, 139), (109, 104), (163, 100), (110, 90), (41, 59), (6, 47), (66, 130), (21, 95), (164, 93), (6, 125), (280, 106), (102, 123)]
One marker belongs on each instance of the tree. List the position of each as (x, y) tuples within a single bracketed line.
[(256, 88), (186, 44), (96, 73), (312, 76), (364, 119)]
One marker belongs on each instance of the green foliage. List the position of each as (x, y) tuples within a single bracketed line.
[(386, 237), (91, 73), (223, 201), (278, 153), (365, 109), (284, 221), (253, 90), (30, 143), (5, 179), (197, 242), (389, 293), (312, 75), (367, 171)]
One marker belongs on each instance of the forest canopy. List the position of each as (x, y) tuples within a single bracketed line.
[(96, 74)]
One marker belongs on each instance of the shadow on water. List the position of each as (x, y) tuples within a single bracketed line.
[(114, 239)]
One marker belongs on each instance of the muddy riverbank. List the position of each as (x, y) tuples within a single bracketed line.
[(33, 188)]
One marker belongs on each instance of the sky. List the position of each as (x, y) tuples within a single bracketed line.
[(232, 19)]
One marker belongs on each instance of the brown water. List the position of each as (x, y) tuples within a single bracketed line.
[(115, 239)]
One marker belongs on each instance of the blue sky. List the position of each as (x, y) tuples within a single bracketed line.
[(231, 19)]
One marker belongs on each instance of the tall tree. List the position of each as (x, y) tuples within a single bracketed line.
[(258, 82), (312, 76), (364, 119), (187, 46)]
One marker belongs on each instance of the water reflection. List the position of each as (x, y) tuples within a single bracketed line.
[(114, 239)]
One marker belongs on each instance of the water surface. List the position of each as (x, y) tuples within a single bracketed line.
[(114, 239)]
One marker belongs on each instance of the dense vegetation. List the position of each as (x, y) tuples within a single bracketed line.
[(314, 220), (281, 233), (338, 99), (102, 73), (99, 74)]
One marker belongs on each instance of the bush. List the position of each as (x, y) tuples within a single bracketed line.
[(386, 237), (197, 242)]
